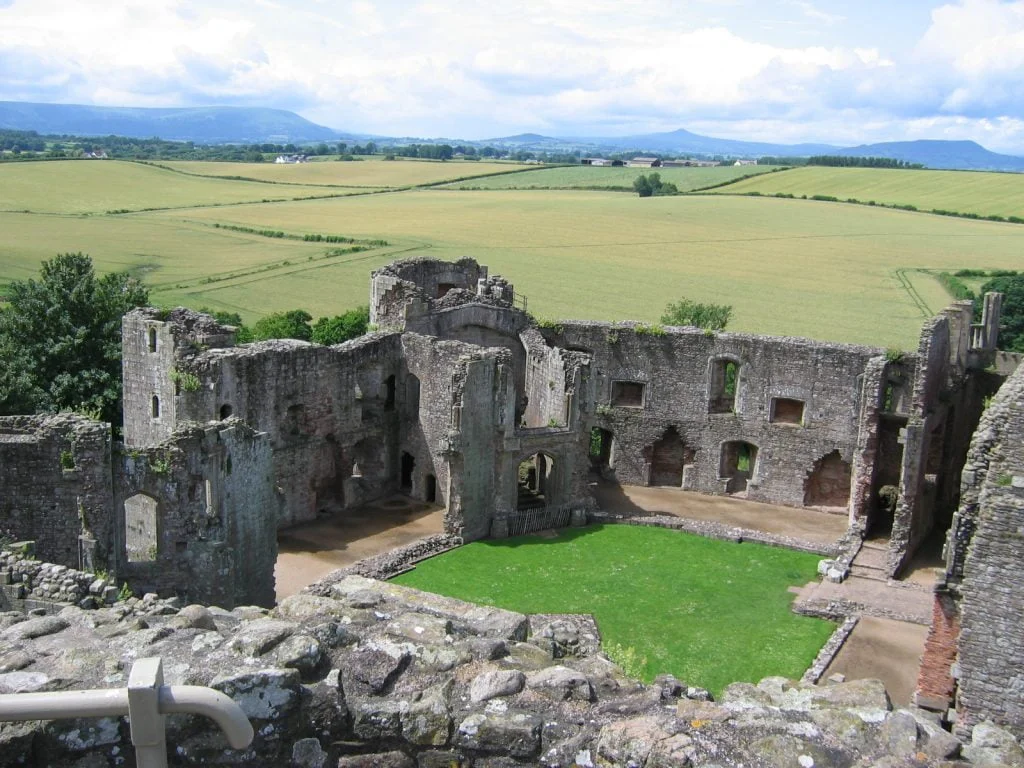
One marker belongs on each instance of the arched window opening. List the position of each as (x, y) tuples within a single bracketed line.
[(389, 393), (724, 386), (536, 482), (225, 411), (408, 465), (738, 464), (140, 528), (155, 406), (151, 335)]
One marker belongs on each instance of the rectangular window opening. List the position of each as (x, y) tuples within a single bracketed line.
[(787, 411), (628, 394)]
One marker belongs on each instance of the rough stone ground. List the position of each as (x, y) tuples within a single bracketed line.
[(808, 524), (884, 649), (357, 672), (309, 552)]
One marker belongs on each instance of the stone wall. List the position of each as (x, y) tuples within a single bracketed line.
[(984, 553), (680, 372), (55, 487), (197, 516)]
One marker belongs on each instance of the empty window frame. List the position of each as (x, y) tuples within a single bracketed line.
[(724, 386), (628, 394), (786, 410)]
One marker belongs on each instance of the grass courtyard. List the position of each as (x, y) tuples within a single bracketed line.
[(709, 612)]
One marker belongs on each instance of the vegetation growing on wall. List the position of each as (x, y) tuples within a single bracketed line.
[(712, 317)]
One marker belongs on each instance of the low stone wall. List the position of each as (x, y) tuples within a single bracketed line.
[(31, 585), (368, 673)]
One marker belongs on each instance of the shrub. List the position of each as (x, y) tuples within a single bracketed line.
[(687, 312)]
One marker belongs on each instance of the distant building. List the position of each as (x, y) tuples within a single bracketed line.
[(745, 162), (291, 159), (97, 155), (644, 162), (595, 161)]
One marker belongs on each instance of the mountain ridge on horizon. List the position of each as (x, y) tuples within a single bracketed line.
[(225, 125)]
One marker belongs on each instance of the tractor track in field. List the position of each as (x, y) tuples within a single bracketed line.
[(915, 297)]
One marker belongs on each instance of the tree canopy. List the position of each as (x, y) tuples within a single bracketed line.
[(688, 312), (60, 339), (1011, 320), (653, 186), (295, 324)]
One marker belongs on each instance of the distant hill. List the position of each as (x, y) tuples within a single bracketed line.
[(207, 125), (684, 141), (965, 155)]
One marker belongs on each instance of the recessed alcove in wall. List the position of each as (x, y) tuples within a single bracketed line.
[(668, 456), (723, 385), (738, 464), (786, 410), (140, 528), (628, 394), (828, 482)]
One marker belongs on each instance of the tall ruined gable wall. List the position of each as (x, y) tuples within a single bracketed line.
[(316, 404), (55, 487), (197, 516), (676, 367), (987, 546)]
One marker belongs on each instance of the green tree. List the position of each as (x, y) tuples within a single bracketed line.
[(649, 186), (293, 324), (687, 312), (334, 330), (1011, 319), (60, 339)]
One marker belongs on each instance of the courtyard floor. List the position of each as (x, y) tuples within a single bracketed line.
[(808, 524), (310, 551)]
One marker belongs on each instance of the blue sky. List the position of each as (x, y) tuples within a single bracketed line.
[(787, 70)]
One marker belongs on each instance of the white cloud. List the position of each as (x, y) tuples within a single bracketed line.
[(457, 68)]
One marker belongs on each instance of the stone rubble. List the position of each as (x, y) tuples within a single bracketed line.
[(364, 673)]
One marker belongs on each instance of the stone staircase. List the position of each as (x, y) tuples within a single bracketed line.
[(871, 561)]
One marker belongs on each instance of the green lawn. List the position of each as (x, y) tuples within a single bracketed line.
[(709, 612), (590, 177), (986, 194)]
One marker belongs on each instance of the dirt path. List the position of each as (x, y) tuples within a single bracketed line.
[(808, 524), (884, 649), (310, 551)]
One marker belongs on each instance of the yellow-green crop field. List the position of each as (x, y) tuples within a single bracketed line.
[(986, 194), (798, 267), (400, 172), (598, 177), (79, 186)]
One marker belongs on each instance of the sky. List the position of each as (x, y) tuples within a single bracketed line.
[(761, 70)]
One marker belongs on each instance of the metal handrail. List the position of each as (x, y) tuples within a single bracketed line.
[(146, 701)]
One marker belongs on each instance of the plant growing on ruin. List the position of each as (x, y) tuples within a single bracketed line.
[(160, 465), (67, 460), (688, 312), (125, 592), (551, 325), (604, 410), (893, 355), (612, 337), (1004, 481), (627, 657), (649, 330), (187, 382)]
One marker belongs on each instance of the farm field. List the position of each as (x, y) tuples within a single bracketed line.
[(986, 194), (706, 611), (371, 172), (589, 177), (98, 186), (789, 267)]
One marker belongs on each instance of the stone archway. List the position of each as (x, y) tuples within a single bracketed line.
[(738, 465), (669, 455), (828, 482)]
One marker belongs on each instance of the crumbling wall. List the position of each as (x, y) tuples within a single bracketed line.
[(545, 383), (55, 487), (196, 516), (411, 286), (153, 345), (679, 370), (984, 553), (331, 414)]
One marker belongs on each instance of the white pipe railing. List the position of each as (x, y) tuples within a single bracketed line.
[(146, 701)]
